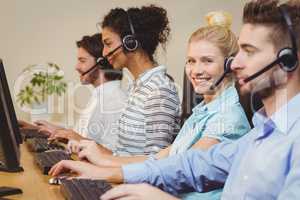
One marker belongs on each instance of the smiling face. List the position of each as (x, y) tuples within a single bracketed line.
[(204, 65), (256, 52), (111, 40)]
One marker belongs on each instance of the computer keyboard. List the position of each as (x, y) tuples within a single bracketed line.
[(42, 144), (84, 189), (32, 133), (46, 160)]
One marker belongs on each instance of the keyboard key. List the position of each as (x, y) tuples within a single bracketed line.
[(46, 160), (84, 189)]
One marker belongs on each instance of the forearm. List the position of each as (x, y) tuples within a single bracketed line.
[(163, 153), (118, 161), (105, 151), (182, 173), (114, 175), (172, 174)]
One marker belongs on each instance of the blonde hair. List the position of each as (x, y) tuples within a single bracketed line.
[(218, 32)]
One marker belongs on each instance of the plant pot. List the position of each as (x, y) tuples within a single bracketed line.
[(40, 112)]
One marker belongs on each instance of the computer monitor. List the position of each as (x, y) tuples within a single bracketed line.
[(10, 137)]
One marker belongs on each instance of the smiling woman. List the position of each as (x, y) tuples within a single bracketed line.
[(151, 118)]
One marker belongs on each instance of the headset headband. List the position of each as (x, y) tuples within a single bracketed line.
[(288, 21)]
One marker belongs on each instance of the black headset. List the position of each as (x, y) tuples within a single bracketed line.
[(287, 57), (130, 43), (227, 70)]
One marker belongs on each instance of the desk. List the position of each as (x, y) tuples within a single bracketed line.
[(33, 183)]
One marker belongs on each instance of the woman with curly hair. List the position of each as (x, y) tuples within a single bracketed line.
[(151, 117)]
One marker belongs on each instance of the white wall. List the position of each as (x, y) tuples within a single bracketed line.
[(37, 31)]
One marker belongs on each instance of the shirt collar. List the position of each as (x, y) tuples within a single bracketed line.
[(107, 88), (283, 119), (227, 98), (144, 77)]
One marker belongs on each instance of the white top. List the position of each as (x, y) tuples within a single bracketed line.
[(100, 120), (150, 120)]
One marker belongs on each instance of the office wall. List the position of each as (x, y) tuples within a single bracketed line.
[(38, 31)]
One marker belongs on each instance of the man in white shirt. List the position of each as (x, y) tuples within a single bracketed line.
[(97, 122)]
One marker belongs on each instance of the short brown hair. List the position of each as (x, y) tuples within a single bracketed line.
[(94, 46), (267, 13)]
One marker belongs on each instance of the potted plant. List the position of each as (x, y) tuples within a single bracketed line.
[(45, 80)]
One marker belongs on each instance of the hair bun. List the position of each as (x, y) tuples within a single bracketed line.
[(219, 18)]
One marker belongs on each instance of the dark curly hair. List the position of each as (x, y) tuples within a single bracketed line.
[(94, 46), (267, 13), (150, 23)]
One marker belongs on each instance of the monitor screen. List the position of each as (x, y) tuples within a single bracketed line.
[(10, 137)]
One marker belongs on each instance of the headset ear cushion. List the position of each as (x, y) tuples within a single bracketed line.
[(227, 64), (130, 43), (103, 63), (288, 60)]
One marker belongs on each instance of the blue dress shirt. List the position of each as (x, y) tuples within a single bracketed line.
[(262, 165)]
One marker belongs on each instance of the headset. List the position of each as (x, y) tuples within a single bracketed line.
[(129, 44), (287, 57), (102, 62), (227, 70)]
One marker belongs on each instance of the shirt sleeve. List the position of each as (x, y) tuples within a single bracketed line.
[(291, 186), (230, 124), (162, 111), (194, 170)]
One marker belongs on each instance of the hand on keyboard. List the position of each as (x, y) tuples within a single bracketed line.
[(46, 127), (65, 134), (87, 170), (137, 191), (41, 145), (91, 151), (73, 146), (48, 159)]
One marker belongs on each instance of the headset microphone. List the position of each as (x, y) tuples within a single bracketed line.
[(129, 44), (255, 75), (101, 61), (287, 57), (227, 70)]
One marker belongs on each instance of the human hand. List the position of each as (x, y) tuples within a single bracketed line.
[(136, 192), (73, 146), (46, 127), (94, 153), (65, 134), (23, 125), (87, 170)]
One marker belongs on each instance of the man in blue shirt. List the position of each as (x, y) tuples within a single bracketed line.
[(265, 163)]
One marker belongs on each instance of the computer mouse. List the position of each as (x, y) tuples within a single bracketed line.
[(55, 181)]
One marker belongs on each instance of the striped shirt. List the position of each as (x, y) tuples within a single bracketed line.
[(151, 118)]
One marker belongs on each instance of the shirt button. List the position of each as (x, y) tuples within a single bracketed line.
[(245, 178)]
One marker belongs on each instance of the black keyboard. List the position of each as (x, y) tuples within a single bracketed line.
[(84, 189), (32, 133), (46, 160), (42, 144)]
